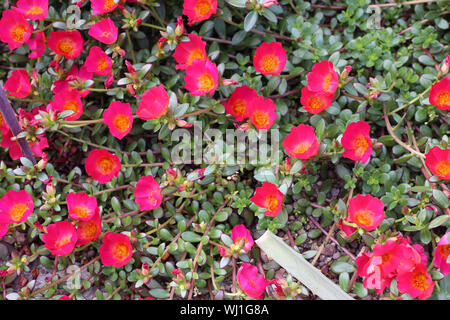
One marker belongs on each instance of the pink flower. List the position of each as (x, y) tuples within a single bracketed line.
[(102, 166), (201, 77), (239, 101), (116, 250), (98, 62), (154, 103), (249, 281), (89, 230), (356, 141), (81, 206), (15, 207), (32, 9), (270, 58), (268, 196), (323, 77), (37, 43), (18, 84), (148, 193), (60, 238), (441, 254), (119, 119), (242, 237), (199, 10), (416, 282), (68, 43), (188, 51), (438, 161), (14, 29), (301, 142), (365, 211), (261, 112), (103, 6), (104, 31)]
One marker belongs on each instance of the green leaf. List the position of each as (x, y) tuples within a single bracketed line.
[(426, 60), (441, 198), (159, 293), (436, 222), (190, 236), (341, 266), (269, 15), (237, 3), (250, 20)]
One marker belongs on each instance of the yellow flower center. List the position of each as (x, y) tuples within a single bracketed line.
[(205, 82), (315, 103), (89, 230), (326, 82), (17, 211), (63, 241), (364, 217), (302, 147), (443, 98), (444, 249), (239, 107), (419, 281), (102, 64), (71, 105), (260, 118), (35, 10), (195, 54), (109, 4), (105, 165), (269, 63), (202, 7), (271, 202), (443, 168), (360, 145), (17, 32), (66, 46), (120, 251), (81, 211), (121, 122)]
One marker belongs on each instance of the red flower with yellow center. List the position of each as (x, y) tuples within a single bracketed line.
[(201, 77), (60, 238), (366, 211), (356, 141), (239, 102), (66, 43), (102, 166), (15, 207), (301, 142), (268, 196), (33, 9), (103, 6), (98, 62), (68, 99), (315, 101), (14, 29), (81, 206), (416, 282), (441, 254), (104, 31), (119, 119), (89, 230), (18, 84), (116, 250), (148, 193), (323, 77), (438, 161), (261, 112), (199, 10), (187, 52), (440, 94), (270, 58), (154, 103)]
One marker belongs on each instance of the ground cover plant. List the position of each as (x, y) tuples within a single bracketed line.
[(146, 145)]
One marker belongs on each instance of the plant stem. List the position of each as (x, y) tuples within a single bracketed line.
[(153, 26), (160, 226), (130, 42), (89, 143), (197, 112), (111, 190), (409, 103)]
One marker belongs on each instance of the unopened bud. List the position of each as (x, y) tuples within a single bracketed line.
[(269, 3), (109, 81), (179, 29), (445, 65), (229, 82)]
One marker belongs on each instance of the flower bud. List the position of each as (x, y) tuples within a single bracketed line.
[(269, 3), (179, 30), (445, 65), (229, 82), (109, 81)]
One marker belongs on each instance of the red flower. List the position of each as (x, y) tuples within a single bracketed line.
[(3, 125), (119, 119), (60, 238), (301, 142), (68, 43), (37, 146), (18, 84), (74, 81), (102, 166), (15, 207), (37, 43), (268, 196), (33, 9), (440, 94), (148, 193), (323, 77), (201, 77), (365, 211), (154, 103), (14, 29), (199, 10), (252, 284), (89, 230), (68, 100), (261, 112), (104, 31), (416, 282), (270, 58), (64, 298), (188, 51), (315, 101), (356, 141), (441, 254), (81, 206), (98, 62), (242, 237), (438, 161), (103, 6), (347, 230), (116, 250), (239, 102)]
